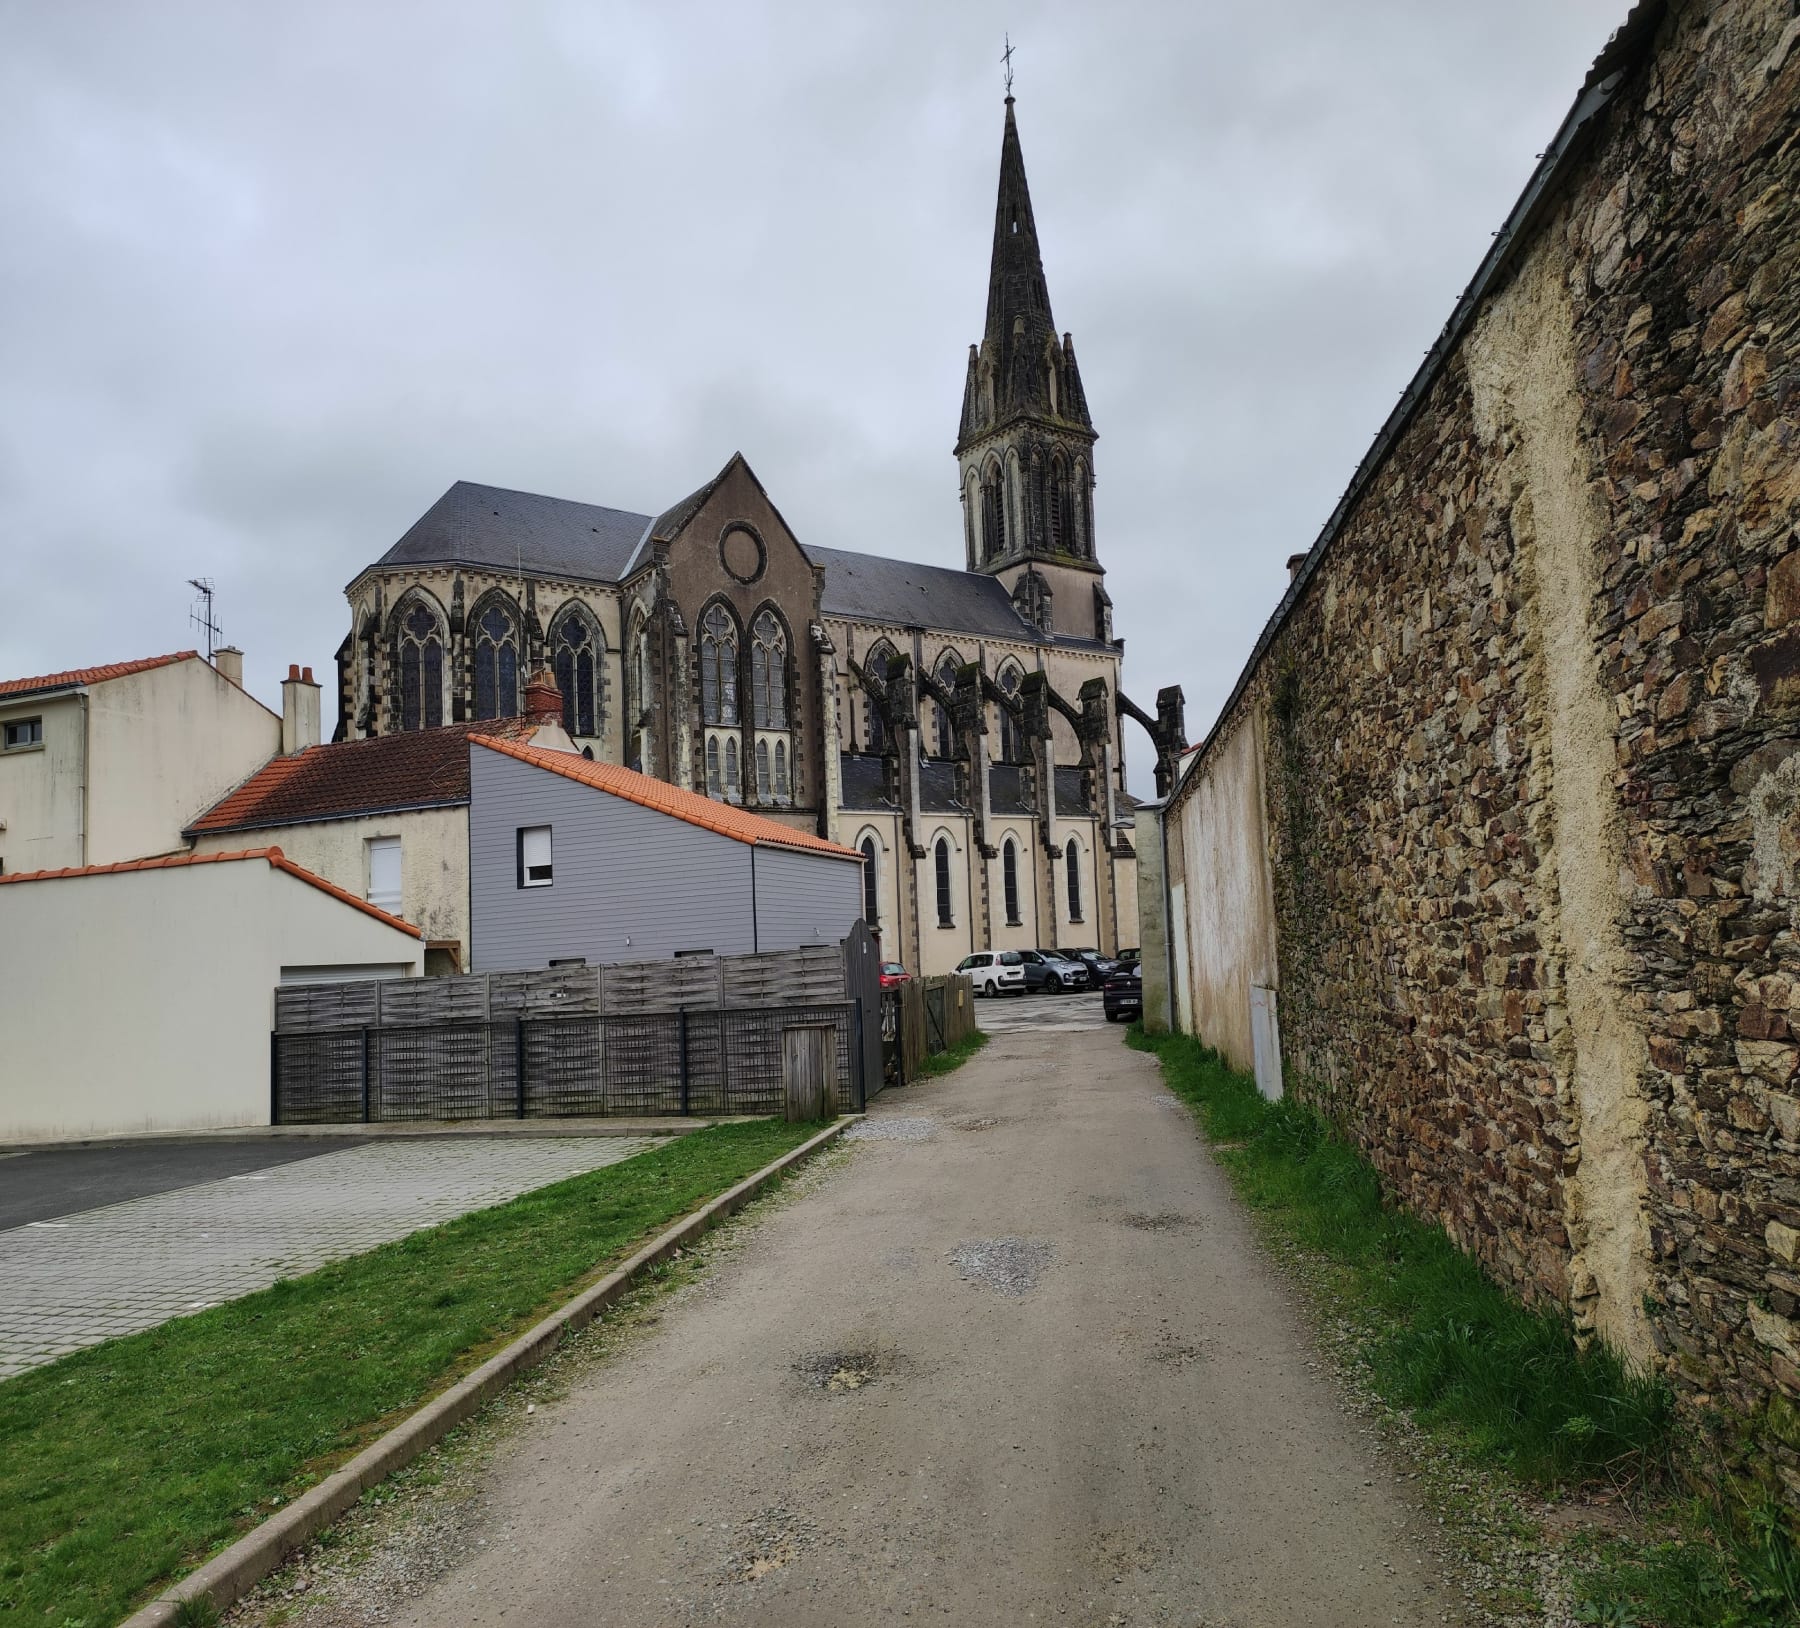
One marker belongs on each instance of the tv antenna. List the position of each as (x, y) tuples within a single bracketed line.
[(202, 613)]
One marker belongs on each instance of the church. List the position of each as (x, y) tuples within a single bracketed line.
[(961, 728)]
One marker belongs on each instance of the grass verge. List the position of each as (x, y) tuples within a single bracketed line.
[(953, 1058), (1495, 1380), (123, 1466)]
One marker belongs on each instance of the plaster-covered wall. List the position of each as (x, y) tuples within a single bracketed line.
[(142, 1000), (434, 861)]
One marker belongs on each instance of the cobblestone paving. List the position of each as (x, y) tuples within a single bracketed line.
[(85, 1278)]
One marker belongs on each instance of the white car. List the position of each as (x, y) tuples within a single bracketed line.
[(995, 972)]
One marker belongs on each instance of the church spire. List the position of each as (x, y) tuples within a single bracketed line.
[(1025, 441)]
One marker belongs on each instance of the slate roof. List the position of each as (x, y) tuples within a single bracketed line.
[(503, 530), (937, 788), (420, 768), (870, 588), (1070, 804), (275, 858), (863, 783), (91, 675), (740, 824), (1006, 789)]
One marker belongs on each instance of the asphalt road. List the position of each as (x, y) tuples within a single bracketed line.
[(1017, 1359), (53, 1182)]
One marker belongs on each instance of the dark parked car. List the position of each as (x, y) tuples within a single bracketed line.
[(1123, 993), (1099, 966), (893, 973), (1045, 969)]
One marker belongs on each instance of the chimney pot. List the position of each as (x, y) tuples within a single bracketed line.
[(543, 698), (1295, 561), (299, 710), (228, 661)]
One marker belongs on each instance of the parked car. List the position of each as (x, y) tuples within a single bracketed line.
[(995, 972), (892, 973), (1099, 966), (1045, 969), (1123, 993)]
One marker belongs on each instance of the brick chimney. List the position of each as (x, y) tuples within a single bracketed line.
[(543, 700), (299, 711), (229, 660)]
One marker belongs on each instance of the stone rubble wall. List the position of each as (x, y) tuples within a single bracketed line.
[(1532, 736)]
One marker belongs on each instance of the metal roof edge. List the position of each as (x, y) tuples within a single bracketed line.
[(1596, 94)]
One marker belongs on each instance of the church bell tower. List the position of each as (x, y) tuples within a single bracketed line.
[(1025, 452)]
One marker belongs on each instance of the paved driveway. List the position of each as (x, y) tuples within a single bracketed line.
[(48, 1182), (1016, 1359), (1054, 1014), (88, 1277)]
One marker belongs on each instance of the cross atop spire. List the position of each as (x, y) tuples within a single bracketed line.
[(1006, 62)]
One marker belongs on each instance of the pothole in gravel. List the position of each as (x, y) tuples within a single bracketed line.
[(1177, 1353), (1009, 1266), (1159, 1220), (848, 1368), (891, 1130), (975, 1122), (768, 1542)]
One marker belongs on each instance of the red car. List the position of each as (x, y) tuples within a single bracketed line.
[(893, 973)]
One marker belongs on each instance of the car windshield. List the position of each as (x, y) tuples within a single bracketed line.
[(893, 969)]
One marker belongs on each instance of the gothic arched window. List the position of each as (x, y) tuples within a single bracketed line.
[(946, 724), (1072, 861), (876, 664), (993, 513), (734, 784), (1009, 871), (943, 882), (496, 640), (718, 667), (714, 784), (1063, 535), (421, 652), (765, 773), (871, 887), (784, 790), (1010, 740), (577, 650), (768, 672)]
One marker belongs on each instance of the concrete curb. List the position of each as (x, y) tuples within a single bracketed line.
[(227, 1577)]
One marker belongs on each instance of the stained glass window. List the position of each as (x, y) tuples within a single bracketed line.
[(496, 664), (577, 648), (421, 670), (943, 882), (871, 892), (713, 783), (876, 666), (718, 667), (783, 790), (1072, 858), (1009, 866), (765, 778), (768, 673), (734, 785)]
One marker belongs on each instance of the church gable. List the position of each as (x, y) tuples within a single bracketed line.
[(729, 541)]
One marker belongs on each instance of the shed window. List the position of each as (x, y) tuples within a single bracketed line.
[(943, 882), (384, 873), (535, 868), (25, 732)]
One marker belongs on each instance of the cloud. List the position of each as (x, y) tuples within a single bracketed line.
[(274, 277)]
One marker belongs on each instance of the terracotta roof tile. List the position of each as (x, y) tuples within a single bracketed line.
[(276, 859), (728, 820), (92, 675), (421, 768)]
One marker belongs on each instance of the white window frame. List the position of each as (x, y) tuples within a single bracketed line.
[(383, 898), (31, 742), (530, 850)]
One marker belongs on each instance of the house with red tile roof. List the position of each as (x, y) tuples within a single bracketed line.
[(386, 818), (108, 763), (186, 951)]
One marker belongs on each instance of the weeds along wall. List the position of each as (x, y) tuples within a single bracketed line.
[(1530, 729)]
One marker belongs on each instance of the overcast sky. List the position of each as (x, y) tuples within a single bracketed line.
[(273, 276)]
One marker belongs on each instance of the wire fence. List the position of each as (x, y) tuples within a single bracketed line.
[(709, 1061)]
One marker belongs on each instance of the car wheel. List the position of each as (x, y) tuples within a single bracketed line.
[(1053, 984)]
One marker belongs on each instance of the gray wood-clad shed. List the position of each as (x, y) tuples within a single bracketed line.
[(632, 882)]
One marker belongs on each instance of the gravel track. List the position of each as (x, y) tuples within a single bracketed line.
[(1039, 1374)]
